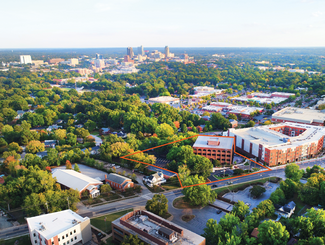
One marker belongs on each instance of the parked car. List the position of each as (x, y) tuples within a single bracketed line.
[(219, 211), (214, 186), (230, 182)]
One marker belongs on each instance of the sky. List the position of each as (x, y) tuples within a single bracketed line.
[(157, 23)]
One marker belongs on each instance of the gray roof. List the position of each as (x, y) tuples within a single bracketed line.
[(119, 179)]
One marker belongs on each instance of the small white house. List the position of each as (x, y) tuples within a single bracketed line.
[(155, 179), (287, 210)]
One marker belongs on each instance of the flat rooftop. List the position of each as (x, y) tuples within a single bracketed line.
[(300, 115), (50, 225), (269, 138), (151, 227), (164, 99), (225, 142)]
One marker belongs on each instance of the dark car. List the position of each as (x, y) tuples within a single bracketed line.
[(214, 186), (219, 211)]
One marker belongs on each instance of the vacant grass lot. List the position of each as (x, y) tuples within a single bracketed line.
[(99, 222), (24, 240)]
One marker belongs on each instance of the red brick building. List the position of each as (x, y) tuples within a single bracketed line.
[(220, 148), (118, 182), (281, 143)]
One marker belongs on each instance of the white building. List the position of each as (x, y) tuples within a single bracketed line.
[(155, 179), (164, 100), (99, 63), (25, 59), (287, 210), (73, 61), (59, 228), (77, 181)]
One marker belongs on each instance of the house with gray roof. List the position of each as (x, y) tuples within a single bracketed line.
[(118, 182)]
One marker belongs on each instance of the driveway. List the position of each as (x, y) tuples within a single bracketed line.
[(98, 140)]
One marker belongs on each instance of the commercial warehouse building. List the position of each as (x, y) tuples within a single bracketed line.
[(298, 115), (220, 148), (59, 228), (70, 179), (280, 143), (152, 229)]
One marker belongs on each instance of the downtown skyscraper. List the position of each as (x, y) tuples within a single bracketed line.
[(130, 52)]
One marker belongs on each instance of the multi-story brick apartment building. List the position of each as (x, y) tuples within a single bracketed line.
[(153, 229), (211, 147), (280, 143), (59, 228), (298, 115)]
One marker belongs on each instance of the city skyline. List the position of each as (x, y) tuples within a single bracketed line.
[(291, 23)]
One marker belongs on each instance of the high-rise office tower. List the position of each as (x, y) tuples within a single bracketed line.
[(99, 56), (140, 50), (167, 51), (25, 59), (130, 52)]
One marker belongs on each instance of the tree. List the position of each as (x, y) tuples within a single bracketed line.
[(303, 226), (158, 205), (3, 142), (71, 139), (35, 146), (132, 240), (81, 132), (250, 124), (232, 116), (240, 209), (199, 194), (266, 207), (272, 233), (60, 134), (105, 189), (292, 171), (90, 125), (184, 128), (9, 114), (76, 167), (68, 164), (219, 122), (278, 197), (200, 165), (164, 130), (257, 191), (289, 188), (14, 147), (183, 172), (52, 157)]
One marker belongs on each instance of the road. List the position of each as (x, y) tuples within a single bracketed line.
[(171, 195)]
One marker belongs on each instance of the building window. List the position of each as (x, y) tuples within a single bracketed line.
[(35, 241), (74, 231), (66, 235), (71, 239), (59, 239), (70, 232), (53, 243), (75, 238), (62, 237), (34, 235), (64, 243), (68, 242)]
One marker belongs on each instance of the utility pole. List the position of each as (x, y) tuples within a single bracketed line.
[(68, 202)]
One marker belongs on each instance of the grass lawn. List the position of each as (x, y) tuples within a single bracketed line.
[(24, 240), (154, 189), (182, 204), (170, 186), (99, 222), (95, 132), (109, 241)]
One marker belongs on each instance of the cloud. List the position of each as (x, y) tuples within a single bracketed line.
[(317, 14)]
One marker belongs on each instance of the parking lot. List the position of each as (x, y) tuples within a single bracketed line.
[(246, 197)]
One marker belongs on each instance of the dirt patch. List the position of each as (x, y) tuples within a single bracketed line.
[(188, 217)]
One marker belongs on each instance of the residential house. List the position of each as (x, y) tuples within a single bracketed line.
[(79, 126), (285, 211), (50, 143), (233, 123), (71, 179), (53, 127), (255, 233), (20, 114), (155, 179), (41, 154), (118, 182), (104, 131), (93, 150), (59, 121)]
